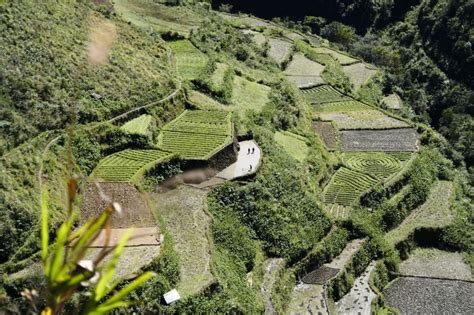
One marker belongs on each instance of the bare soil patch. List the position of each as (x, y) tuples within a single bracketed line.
[(135, 212), (393, 101), (272, 266), (308, 299), (320, 275), (327, 132), (430, 296), (358, 73), (404, 139), (304, 72), (279, 49)]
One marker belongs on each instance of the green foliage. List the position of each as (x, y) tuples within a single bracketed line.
[(190, 62), (134, 76), (334, 75), (276, 205), (285, 106), (338, 32), (66, 272)]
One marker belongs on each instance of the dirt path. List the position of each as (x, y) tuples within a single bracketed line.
[(184, 212), (272, 266), (359, 299)]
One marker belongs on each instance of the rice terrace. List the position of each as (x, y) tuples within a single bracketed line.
[(236, 157)]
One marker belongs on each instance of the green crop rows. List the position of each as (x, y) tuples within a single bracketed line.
[(324, 94), (360, 173), (379, 165), (128, 165), (190, 61), (346, 186), (197, 134), (138, 125), (343, 106)]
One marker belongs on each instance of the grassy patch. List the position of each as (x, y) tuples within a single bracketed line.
[(344, 106), (342, 58), (128, 165), (249, 95), (204, 102), (218, 76), (190, 62), (435, 212), (293, 144), (138, 125), (279, 49), (159, 17)]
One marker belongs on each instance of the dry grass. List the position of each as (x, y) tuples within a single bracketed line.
[(279, 49), (358, 73), (184, 212), (304, 72)]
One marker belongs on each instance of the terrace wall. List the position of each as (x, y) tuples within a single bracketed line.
[(135, 211)]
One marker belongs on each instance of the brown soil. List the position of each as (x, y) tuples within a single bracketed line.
[(326, 131), (320, 275), (135, 212), (140, 237)]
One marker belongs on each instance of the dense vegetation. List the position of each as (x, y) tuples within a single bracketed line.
[(182, 49)]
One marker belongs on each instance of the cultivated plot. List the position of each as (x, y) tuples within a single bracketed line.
[(367, 119), (435, 212), (190, 61), (139, 125), (359, 73), (380, 140), (128, 165), (430, 296), (308, 299), (346, 186), (324, 94), (279, 49), (197, 135), (343, 106), (327, 133), (376, 164), (204, 102), (304, 72), (218, 75)]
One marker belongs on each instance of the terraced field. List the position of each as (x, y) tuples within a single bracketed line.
[(346, 186), (218, 75), (343, 59), (349, 105), (138, 125), (324, 94), (279, 49), (404, 139), (128, 165), (304, 72), (190, 61), (368, 119), (377, 164), (360, 172), (359, 73), (197, 135), (393, 101)]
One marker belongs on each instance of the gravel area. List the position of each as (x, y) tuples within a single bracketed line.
[(308, 299), (380, 140), (359, 299), (431, 262), (272, 266), (430, 296)]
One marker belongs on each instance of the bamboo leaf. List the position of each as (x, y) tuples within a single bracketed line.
[(103, 309), (100, 291), (130, 287)]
